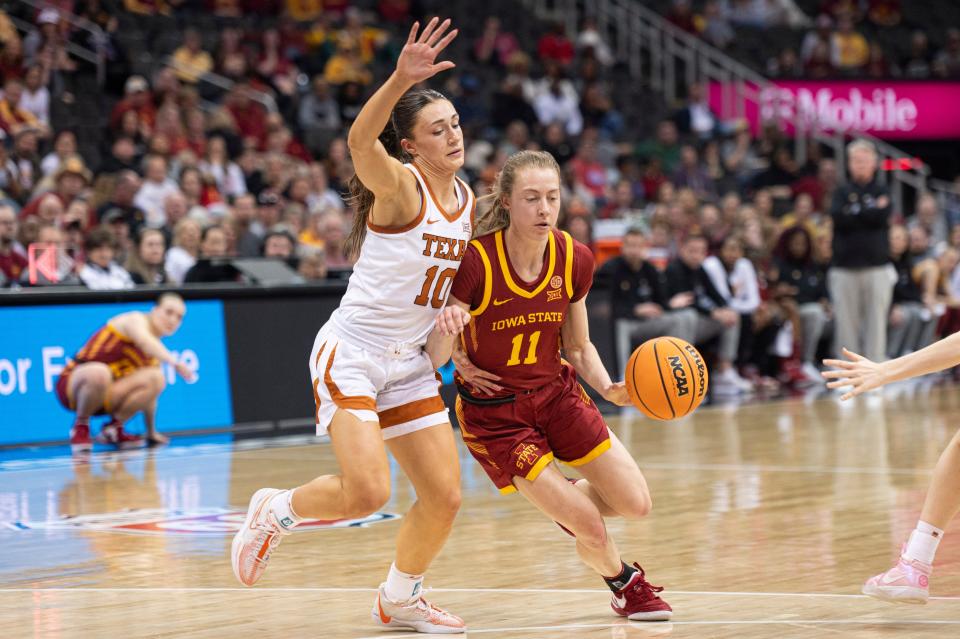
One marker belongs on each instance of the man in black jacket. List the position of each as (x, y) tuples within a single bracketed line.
[(638, 299), (861, 278), (689, 288)]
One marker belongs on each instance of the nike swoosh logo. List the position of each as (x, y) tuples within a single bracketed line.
[(432, 221), (384, 617), (501, 302), (620, 601), (889, 579)]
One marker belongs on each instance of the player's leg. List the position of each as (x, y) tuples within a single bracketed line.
[(362, 487), (618, 481), (561, 501), (429, 459), (908, 581), (82, 389), (128, 396)]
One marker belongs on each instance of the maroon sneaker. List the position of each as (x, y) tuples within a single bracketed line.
[(80, 441), (638, 600), (113, 433)]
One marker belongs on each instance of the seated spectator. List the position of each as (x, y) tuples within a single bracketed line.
[(554, 46), (736, 280), (334, 238), (249, 117), (716, 28), (248, 234), (589, 40), (933, 221), (681, 16), (822, 34), (320, 195), (494, 46), (13, 262), (280, 244), (638, 301), (274, 66), (136, 98), (918, 61), (11, 184), (346, 65), (691, 175), (800, 283), (557, 102), (624, 201), (190, 61), (154, 190), (947, 61), (145, 262), (69, 181), (183, 254), (849, 50), (65, 266), (665, 147), (819, 65), (313, 266), (919, 243), (913, 312), (696, 117), (588, 172), (14, 118), (35, 97), (511, 105), (125, 189), (101, 272), (598, 112), (369, 39), (209, 268), (877, 64), (217, 163), (802, 214), (689, 287), (64, 147)]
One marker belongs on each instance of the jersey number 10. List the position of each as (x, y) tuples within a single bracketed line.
[(439, 285)]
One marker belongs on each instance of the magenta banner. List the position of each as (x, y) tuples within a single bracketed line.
[(887, 110)]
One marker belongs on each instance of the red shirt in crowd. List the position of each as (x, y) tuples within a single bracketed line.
[(555, 47), (12, 265)]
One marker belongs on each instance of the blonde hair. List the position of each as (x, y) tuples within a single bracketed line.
[(497, 217)]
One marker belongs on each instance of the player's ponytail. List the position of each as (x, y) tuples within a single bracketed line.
[(402, 120), (497, 217)]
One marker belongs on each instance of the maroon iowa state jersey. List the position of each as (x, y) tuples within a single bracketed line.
[(515, 332)]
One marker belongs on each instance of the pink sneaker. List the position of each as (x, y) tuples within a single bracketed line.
[(907, 582), (417, 614)]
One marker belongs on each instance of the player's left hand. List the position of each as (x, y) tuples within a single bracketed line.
[(452, 320), (617, 394)]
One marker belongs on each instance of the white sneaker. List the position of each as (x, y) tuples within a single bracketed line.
[(257, 538), (812, 373), (418, 615), (729, 383)]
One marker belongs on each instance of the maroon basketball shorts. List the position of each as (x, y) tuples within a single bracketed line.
[(519, 438)]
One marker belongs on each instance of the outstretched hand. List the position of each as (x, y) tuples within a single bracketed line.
[(857, 372), (616, 393), (417, 59)]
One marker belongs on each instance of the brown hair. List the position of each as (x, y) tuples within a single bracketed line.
[(402, 120), (497, 217), (135, 263)]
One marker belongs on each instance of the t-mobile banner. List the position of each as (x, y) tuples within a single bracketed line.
[(35, 342), (887, 110)]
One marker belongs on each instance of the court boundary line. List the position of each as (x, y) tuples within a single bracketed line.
[(283, 589)]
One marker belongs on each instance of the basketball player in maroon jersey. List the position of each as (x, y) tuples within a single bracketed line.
[(518, 298), (117, 373)]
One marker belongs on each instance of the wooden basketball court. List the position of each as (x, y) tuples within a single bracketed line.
[(767, 518)]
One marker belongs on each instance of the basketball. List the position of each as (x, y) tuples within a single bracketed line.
[(666, 378)]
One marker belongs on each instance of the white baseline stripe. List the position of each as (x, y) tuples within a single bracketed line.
[(767, 468), (653, 625), (701, 593)]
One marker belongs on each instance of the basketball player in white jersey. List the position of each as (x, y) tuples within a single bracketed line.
[(909, 580), (372, 381)]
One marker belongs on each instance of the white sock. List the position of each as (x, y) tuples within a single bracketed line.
[(283, 509), (923, 543), (400, 586)]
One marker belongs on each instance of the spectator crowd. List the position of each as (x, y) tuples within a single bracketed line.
[(703, 226)]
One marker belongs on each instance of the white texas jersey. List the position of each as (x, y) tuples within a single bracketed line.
[(403, 275)]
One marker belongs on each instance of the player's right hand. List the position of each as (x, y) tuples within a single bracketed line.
[(416, 61), (477, 378), (452, 320), (184, 371), (857, 372)]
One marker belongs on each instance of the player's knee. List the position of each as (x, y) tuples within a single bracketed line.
[(592, 532), (367, 497), (97, 379), (638, 507), (158, 381), (445, 504)]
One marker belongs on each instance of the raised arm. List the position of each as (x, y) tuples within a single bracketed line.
[(582, 354), (381, 173)]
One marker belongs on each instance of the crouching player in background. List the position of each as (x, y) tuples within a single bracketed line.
[(118, 373)]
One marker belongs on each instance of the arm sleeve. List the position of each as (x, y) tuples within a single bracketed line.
[(583, 264), (468, 284)]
